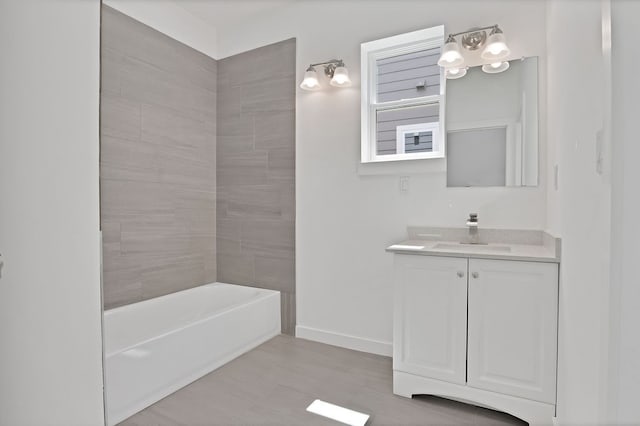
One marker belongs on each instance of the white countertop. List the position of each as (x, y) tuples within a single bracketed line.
[(498, 251)]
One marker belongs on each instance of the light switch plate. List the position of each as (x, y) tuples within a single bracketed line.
[(404, 184), (599, 153)]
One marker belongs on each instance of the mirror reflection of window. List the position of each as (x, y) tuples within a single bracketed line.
[(481, 101), (477, 157)]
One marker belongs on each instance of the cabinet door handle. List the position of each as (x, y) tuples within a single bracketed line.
[(460, 274), (475, 275)]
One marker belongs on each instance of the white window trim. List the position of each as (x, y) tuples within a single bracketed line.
[(436, 152), (372, 51)]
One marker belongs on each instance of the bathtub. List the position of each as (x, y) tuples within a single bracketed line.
[(155, 347)]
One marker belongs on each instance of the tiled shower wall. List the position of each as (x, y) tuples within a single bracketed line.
[(160, 181), (256, 172), (158, 163)]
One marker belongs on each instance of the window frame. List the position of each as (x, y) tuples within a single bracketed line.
[(401, 131), (371, 52)]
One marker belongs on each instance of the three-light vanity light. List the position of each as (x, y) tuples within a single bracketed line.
[(494, 51), (334, 69)]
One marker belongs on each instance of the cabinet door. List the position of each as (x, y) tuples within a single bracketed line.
[(513, 316), (430, 317)]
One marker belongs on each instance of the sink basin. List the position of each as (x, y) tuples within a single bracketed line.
[(473, 247)]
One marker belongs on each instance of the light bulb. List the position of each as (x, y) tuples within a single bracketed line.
[(496, 47), (451, 56), (453, 73), (310, 81), (495, 67), (340, 77)]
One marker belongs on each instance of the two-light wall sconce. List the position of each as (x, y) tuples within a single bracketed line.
[(334, 69), (494, 51)]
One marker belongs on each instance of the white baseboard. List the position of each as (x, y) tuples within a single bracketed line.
[(345, 341)]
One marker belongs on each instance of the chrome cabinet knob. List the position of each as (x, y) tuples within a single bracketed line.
[(475, 275), (460, 274)]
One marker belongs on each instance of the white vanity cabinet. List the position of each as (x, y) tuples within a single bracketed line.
[(430, 328), (513, 316), (477, 330)]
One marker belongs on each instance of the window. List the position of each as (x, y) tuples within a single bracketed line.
[(403, 97)]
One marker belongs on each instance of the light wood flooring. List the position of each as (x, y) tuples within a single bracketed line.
[(274, 383)]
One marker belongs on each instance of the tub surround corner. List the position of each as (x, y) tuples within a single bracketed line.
[(256, 172)]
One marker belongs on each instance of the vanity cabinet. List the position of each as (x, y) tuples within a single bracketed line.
[(477, 330), (513, 314), (430, 329)]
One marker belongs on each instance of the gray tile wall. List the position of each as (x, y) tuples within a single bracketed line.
[(158, 162), (256, 172)]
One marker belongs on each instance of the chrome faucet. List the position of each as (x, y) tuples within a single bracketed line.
[(472, 224)]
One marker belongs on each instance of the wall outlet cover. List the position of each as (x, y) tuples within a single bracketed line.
[(404, 184)]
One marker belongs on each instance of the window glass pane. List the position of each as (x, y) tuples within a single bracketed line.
[(408, 76), (418, 142), (388, 122)]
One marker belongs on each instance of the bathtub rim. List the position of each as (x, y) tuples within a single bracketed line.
[(263, 294)]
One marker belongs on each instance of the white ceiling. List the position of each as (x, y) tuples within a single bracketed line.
[(220, 13)]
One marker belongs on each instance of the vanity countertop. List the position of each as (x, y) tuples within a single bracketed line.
[(515, 245)]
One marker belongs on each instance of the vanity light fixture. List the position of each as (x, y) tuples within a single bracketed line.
[(334, 69), (494, 51), (451, 56), (495, 67), (310, 81), (453, 73), (496, 47)]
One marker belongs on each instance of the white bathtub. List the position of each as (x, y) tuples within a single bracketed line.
[(155, 347)]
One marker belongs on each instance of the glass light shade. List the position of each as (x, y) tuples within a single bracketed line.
[(453, 73), (496, 47), (340, 77), (451, 56), (310, 81), (495, 67)]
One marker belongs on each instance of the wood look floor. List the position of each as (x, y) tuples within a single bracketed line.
[(274, 383)]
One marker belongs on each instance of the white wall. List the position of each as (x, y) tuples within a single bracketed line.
[(576, 94), (171, 19), (624, 388), (50, 308), (345, 215)]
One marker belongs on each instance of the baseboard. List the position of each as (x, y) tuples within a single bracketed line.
[(345, 341)]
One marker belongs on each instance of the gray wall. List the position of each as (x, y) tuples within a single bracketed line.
[(158, 158), (256, 172)]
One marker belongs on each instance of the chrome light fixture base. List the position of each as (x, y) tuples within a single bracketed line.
[(473, 40), (331, 66)]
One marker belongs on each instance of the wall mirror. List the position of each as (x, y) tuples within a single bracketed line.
[(492, 126)]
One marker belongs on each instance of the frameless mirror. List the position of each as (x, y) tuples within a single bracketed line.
[(492, 126)]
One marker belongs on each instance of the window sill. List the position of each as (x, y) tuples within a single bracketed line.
[(403, 167)]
